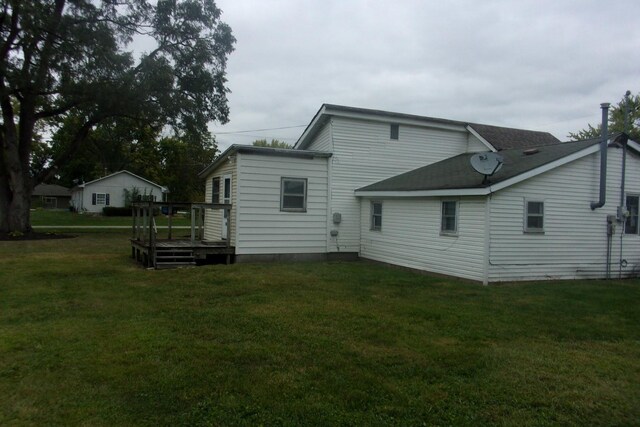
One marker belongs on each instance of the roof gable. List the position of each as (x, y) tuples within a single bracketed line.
[(456, 172), (499, 138), (164, 189)]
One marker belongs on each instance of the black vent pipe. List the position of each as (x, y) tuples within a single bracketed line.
[(603, 157)]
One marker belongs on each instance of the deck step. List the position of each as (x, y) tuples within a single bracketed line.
[(167, 265)]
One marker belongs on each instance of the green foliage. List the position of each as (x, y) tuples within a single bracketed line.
[(69, 64), (88, 338), (616, 121), (273, 144), (116, 211)]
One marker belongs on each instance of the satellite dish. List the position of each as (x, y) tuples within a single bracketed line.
[(486, 163)]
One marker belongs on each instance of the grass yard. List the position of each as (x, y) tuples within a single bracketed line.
[(42, 217), (87, 337)]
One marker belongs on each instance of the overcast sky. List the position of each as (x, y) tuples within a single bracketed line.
[(543, 65)]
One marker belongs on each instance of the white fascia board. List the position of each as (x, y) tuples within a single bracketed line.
[(425, 193), (484, 141), (634, 145), (486, 190), (402, 121)]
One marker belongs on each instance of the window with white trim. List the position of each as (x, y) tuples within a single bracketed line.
[(533, 216), (631, 224), (449, 222), (100, 199), (215, 190), (293, 194), (376, 216)]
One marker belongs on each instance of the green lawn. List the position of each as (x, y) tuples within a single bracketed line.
[(42, 217), (87, 337)]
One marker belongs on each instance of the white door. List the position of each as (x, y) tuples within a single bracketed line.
[(226, 198)]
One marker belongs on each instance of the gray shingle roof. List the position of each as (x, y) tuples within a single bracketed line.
[(507, 138), (457, 173), (52, 190)]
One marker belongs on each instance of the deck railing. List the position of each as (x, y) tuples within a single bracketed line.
[(145, 230)]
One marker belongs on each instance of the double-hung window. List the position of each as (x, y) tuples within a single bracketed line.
[(394, 131), (293, 194), (449, 222), (631, 224), (376, 216), (100, 199), (533, 216)]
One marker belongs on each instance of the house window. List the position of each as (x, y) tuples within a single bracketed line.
[(449, 224), (631, 224), (376, 216), (293, 195), (100, 199), (533, 216), (395, 131), (215, 190)]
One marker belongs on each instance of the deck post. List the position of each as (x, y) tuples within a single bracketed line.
[(133, 222), (169, 220), (228, 210), (144, 224), (193, 225), (200, 222)]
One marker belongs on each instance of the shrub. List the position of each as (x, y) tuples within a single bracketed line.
[(116, 211)]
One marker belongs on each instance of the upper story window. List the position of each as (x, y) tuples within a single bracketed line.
[(533, 216), (215, 190), (394, 131), (293, 194), (376, 216), (631, 224), (449, 223)]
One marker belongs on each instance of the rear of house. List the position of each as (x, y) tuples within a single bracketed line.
[(279, 200), (533, 225)]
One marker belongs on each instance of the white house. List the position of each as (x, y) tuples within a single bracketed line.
[(399, 189), (109, 190)]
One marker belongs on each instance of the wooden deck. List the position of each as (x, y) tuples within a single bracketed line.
[(152, 251)]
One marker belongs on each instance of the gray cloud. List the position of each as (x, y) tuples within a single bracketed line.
[(542, 65)]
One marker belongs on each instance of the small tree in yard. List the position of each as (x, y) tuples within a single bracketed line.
[(70, 58)]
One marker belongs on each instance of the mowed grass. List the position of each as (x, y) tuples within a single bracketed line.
[(87, 337), (49, 217)]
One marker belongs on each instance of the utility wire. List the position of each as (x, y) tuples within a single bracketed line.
[(257, 130)]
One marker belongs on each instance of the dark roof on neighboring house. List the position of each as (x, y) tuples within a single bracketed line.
[(506, 138), (500, 138), (51, 190), (457, 173)]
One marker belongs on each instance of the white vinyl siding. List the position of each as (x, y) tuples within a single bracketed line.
[(213, 218), (114, 186), (475, 145), (411, 237), (322, 141), (362, 155), (262, 227), (574, 243)]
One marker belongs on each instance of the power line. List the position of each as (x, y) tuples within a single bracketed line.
[(258, 130)]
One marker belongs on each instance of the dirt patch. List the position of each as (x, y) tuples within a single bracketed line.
[(4, 237)]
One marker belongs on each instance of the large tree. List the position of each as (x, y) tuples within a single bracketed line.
[(74, 58), (616, 120)]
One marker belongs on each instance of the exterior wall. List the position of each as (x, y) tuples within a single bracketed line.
[(213, 218), (262, 227), (364, 154), (322, 142), (574, 243), (410, 236), (474, 145), (114, 186)]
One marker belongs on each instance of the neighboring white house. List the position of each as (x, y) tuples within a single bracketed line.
[(94, 195), (400, 189)]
